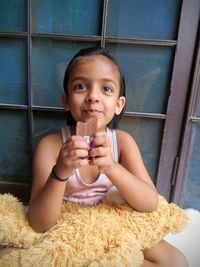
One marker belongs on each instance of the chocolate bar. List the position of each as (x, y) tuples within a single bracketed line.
[(87, 130)]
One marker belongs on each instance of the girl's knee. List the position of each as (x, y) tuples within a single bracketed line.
[(5, 250), (178, 259), (165, 255)]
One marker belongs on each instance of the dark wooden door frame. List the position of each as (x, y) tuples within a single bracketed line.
[(191, 119), (169, 156)]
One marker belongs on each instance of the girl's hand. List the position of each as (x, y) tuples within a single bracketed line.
[(101, 154), (73, 154)]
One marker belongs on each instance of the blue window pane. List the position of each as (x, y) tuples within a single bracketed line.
[(14, 160), (13, 15), (13, 77), (197, 113), (46, 123), (146, 19), (190, 195), (50, 58), (65, 16), (148, 135), (147, 71)]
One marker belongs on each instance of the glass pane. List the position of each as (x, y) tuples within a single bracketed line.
[(14, 159), (148, 135), (50, 58), (197, 113), (46, 123), (146, 19), (190, 195), (13, 80), (71, 17), (147, 71), (13, 15)]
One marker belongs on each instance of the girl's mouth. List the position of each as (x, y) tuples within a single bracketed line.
[(93, 112)]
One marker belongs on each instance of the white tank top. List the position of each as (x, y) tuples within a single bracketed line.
[(81, 192)]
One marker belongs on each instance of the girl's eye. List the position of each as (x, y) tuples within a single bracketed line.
[(80, 87), (107, 89)]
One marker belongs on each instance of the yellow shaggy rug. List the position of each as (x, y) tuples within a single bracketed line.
[(103, 235)]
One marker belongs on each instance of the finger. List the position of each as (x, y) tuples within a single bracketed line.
[(76, 143), (77, 154), (100, 152), (79, 163), (100, 161), (72, 162), (101, 133), (100, 140), (74, 138)]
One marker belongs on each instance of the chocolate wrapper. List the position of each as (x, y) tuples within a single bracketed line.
[(87, 130)]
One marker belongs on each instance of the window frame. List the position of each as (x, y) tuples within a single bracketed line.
[(170, 150), (191, 120)]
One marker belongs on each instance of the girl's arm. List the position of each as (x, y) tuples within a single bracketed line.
[(130, 176), (47, 193)]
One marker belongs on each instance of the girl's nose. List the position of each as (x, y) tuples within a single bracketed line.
[(93, 95)]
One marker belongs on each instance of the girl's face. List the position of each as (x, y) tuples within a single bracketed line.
[(93, 90)]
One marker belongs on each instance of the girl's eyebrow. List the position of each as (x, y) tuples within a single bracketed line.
[(78, 78), (86, 79), (109, 80)]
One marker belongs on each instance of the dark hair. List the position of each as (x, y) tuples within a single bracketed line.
[(93, 51)]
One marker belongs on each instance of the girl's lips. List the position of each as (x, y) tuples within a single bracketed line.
[(93, 112)]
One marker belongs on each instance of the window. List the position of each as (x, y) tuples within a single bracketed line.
[(148, 38), (187, 189)]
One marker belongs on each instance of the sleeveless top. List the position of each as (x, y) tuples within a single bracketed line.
[(81, 192)]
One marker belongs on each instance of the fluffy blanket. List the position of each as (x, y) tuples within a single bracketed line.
[(102, 235)]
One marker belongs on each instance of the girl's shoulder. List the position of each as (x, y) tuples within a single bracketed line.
[(125, 142), (54, 138), (129, 152), (124, 136), (50, 143)]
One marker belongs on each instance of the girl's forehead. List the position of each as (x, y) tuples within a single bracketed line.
[(103, 62), (95, 66)]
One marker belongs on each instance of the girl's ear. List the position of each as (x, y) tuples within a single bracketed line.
[(120, 105), (65, 101)]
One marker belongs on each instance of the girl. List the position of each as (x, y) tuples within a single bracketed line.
[(65, 167)]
